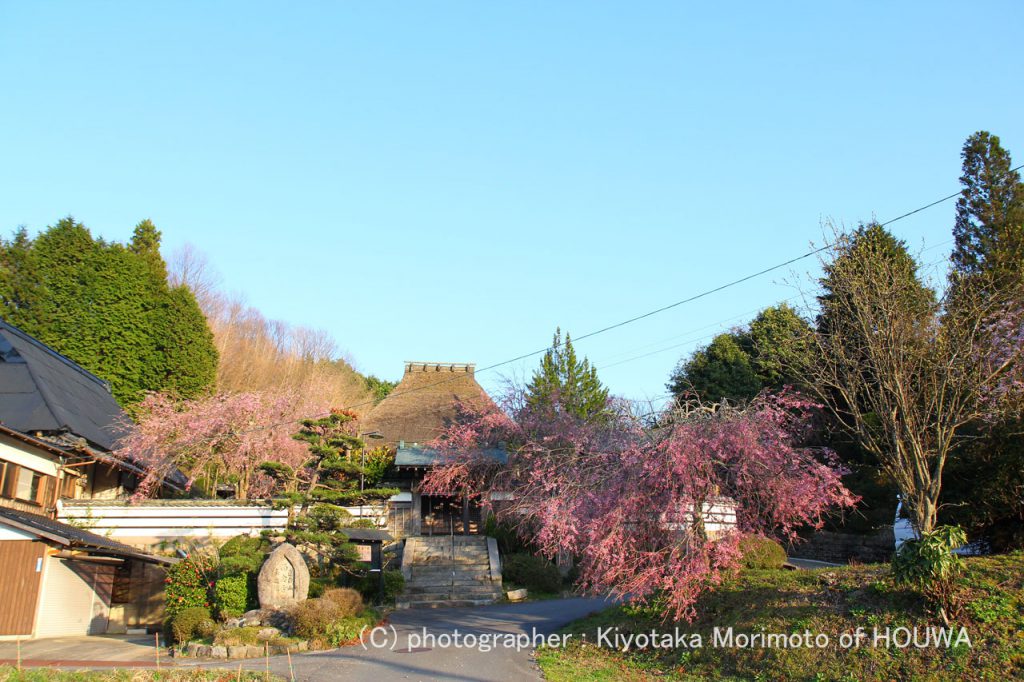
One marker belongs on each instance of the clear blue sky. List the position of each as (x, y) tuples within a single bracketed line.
[(450, 181)]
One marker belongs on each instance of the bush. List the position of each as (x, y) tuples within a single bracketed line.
[(231, 596), (348, 629), (535, 573), (313, 618), (508, 538), (188, 584), (394, 583), (348, 601), (206, 628), (185, 623), (761, 553), (243, 555), (930, 565)]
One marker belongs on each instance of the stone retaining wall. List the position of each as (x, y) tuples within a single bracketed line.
[(842, 548)]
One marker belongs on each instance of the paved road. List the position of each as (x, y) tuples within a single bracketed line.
[(439, 659)]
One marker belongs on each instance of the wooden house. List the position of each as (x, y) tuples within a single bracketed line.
[(58, 425)]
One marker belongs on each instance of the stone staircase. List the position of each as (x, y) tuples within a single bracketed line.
[(450, 570)]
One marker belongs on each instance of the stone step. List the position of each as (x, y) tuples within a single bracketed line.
[(449, 580), (461, 571), (449, 594), (435, 585), (477, 588), (442, 603), (465, 560)]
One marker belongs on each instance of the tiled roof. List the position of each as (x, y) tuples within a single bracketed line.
[(41, 390), (74, 538)]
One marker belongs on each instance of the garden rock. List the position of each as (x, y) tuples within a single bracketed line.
[(218, 652), (238, 651), (283, 579), (252, 618), (517, 595), (253, 651), (192, 649), (267, 634)]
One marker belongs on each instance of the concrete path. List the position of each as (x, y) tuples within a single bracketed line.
[(420, 644), (107, 651)]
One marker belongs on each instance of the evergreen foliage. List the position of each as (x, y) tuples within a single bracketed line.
[(328, 481), (379, 388), (564, 384), (739, 364), (986, 477), (721, 370), (109, 308), (989, 228)]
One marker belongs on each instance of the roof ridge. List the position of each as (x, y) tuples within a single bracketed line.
[(63, 358)]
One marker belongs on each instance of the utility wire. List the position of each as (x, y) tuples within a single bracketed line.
[(636, 318)]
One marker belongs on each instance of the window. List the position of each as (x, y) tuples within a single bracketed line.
[(29, 484), (21, 483)]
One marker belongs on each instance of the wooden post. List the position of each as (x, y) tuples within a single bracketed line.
[(19, 654), (156, 642), (291, 670), (465, 514)]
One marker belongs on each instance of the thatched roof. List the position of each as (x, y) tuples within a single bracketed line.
[(425, 402)]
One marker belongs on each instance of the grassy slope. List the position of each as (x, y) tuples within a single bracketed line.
[(829, 601)]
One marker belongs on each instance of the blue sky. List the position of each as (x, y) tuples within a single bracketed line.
[(450, 181)]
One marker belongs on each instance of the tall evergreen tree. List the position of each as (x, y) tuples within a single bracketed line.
[(989, 228), (987, 475), (566, 384), (109, 308)]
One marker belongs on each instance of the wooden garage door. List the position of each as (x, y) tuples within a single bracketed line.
[(22, 562)]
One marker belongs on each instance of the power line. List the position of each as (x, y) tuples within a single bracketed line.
[(729, 319), (642, 316)]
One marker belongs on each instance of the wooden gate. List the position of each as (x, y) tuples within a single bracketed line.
[(22, 573)]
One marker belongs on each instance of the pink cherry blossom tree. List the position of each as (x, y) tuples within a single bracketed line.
[(647, 509), (219, 438)]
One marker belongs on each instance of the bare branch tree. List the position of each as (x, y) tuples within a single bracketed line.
[(904, 371)]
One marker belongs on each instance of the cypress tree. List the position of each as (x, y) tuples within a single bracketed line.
[(109, 308), (989, 227)]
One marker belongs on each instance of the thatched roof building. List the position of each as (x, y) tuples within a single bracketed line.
[(425, 402)]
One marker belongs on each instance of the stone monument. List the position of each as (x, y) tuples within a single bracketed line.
[(283, 579)]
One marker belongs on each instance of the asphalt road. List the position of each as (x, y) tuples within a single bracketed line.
[(421, 644)]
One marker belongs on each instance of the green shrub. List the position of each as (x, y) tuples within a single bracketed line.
[(347, 629), (348, 601), (394, 583), (231, 596), (761, 553), (242, 555), (535, 573), (238, 636), (509, 539), (188, 583), (930, 566), (313, 618), (185, 623), (317, 586), (206, 628)]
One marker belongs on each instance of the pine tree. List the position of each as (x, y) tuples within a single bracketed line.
[(989, 228), (566, 384)]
